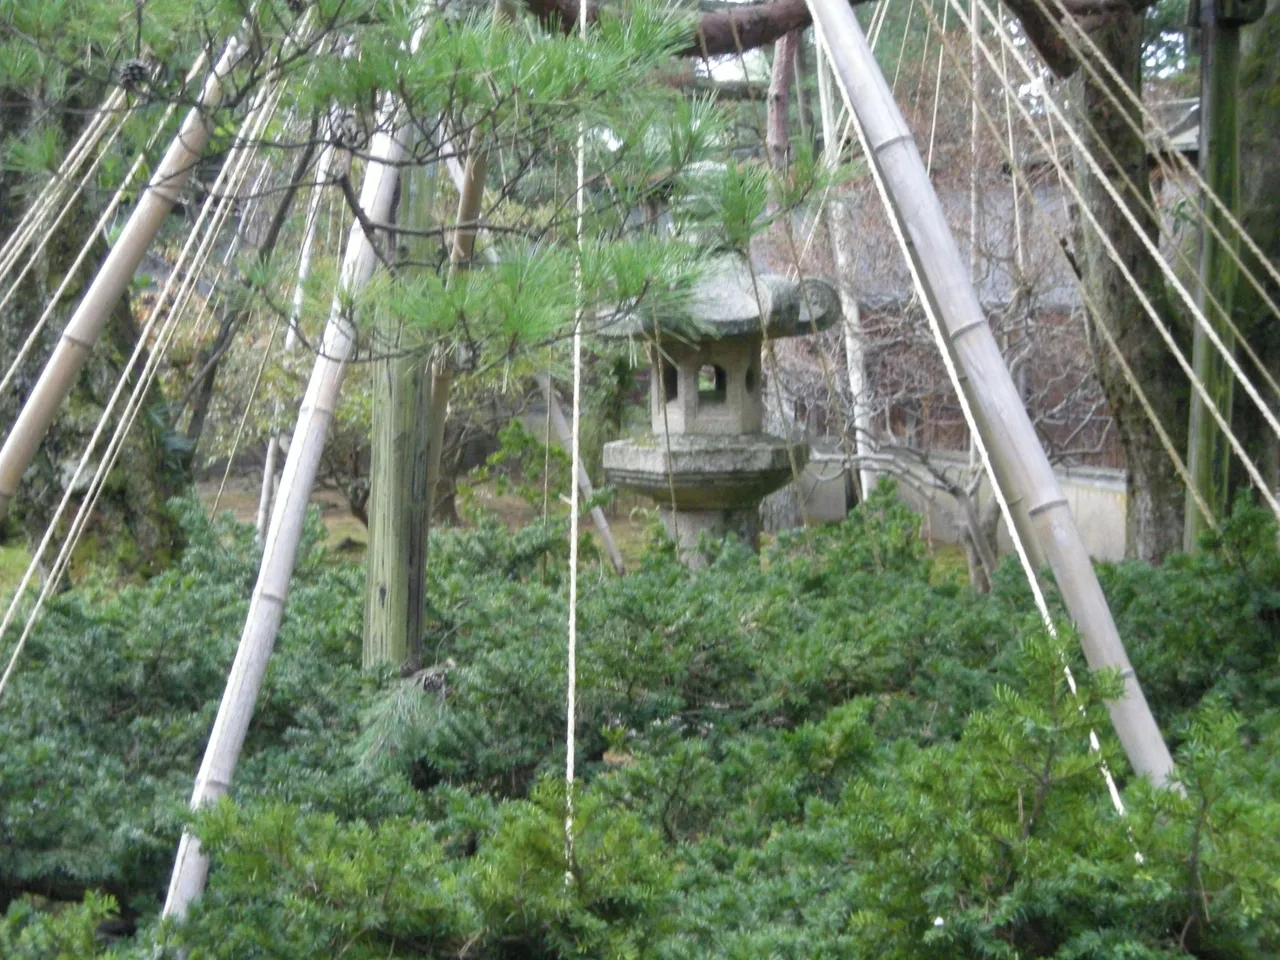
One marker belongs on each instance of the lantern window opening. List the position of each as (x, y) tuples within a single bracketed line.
[(670, 380), (713, 384)]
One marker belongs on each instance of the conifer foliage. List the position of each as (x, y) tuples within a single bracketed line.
[(829, 751)]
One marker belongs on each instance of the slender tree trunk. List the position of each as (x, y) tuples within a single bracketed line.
[(210, 358), (778, 130), (838, 220), (1155, 495), (329, 156)]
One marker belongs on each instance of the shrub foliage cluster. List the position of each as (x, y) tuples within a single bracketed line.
[(822, 752)]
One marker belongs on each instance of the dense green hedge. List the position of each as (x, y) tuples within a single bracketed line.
[(815, 753)]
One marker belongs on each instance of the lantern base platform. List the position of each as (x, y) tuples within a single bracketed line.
[(704, 473)]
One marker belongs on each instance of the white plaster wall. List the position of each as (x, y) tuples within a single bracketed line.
[(1096, 497)]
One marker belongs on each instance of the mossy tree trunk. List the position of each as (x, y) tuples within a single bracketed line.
[(131, 529), (1259, 107), (1208, 454)]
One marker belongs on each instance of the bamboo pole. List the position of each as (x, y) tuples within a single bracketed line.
[(565, 436), (266, 607), (1022, 469), (91, 316)]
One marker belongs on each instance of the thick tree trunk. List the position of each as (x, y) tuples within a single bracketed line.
[(1154, 516), (131, 529), (1208, 454), (398, 515)]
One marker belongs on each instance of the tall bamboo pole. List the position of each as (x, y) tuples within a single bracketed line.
[(1023, 469), (266, 606), (1208, 454), (91, 316)]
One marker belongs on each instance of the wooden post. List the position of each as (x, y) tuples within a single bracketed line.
[(266, 606), (91, 316), (1208, 454), (399, 500), (1022, 468)]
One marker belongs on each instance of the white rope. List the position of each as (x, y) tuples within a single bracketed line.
[(49, 196), (305, 259), (240, 162), (1020, 180), (902, 47), (98, 482), (571, 706), (877, 24), (1089, 303), (70, 275), (66, 169), (831, 151), (1153, 249), (1120, 264), (1198, 213), (1165, 141), (48, 233), (1019, 253), (937, 89)]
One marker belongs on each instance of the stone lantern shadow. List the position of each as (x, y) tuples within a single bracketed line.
[(707, 454)]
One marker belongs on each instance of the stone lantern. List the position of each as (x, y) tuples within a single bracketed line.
[(708, 453)]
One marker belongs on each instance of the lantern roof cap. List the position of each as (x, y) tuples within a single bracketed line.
[(727, 303)]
